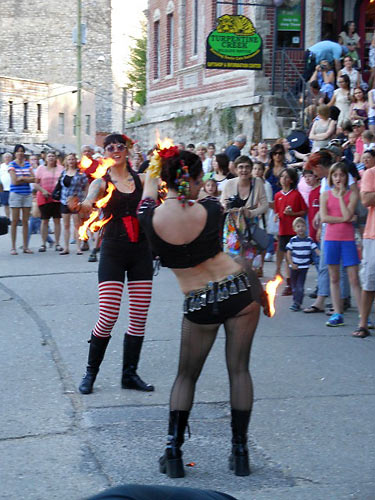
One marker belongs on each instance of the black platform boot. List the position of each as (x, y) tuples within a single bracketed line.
[(98, 346), (171, 462), (239, 459), (132, 352)]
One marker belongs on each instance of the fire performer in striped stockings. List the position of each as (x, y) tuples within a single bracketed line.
[(124, 250)]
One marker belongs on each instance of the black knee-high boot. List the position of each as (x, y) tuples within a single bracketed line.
[(98, 346), (171, 462), (239, 459), (132, 352)]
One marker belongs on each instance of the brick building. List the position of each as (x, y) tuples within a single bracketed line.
[(189, 102)]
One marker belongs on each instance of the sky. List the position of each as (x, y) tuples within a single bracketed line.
[(126, 19)]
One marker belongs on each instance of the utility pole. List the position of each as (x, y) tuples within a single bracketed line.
[(124, 99), (79, 78)]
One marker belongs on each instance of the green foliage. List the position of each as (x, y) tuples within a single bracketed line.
[(136, 117), (228, 120), (183, 121), (137, 63)]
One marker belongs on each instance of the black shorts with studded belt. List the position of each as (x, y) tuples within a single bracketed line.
[(219, 300)]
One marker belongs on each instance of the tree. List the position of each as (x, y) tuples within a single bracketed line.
[(137, 73)]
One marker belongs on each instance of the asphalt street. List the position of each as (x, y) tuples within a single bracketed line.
[(312, 433)]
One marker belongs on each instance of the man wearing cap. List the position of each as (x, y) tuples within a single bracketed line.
[(325, 50)]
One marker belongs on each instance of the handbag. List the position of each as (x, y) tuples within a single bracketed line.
[(56, 193), (3, 225)]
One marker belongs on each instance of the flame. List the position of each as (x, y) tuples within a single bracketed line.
[(271, 292), (85, 162), (82, 230), (93, 224), (103, 201), (166, 143), (104, 165)]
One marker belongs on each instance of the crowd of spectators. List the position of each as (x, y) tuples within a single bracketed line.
[(316, 206)]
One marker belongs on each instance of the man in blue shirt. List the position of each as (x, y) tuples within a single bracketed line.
[(234, 151), (323, 51)]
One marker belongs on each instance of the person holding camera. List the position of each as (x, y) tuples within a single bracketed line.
[(325, 77), (243, 198)]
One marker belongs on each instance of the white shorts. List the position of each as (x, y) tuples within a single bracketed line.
[(368, 265)]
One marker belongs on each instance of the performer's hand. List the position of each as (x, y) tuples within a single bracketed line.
[(73, 204)]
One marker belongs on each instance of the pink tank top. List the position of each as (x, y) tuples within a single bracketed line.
[(342, 231)]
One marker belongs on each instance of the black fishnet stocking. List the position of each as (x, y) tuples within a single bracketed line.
[(196, 343)]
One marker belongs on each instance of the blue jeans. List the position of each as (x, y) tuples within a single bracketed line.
[(297, 282), (271, 247), (323, 276), (34, 228)]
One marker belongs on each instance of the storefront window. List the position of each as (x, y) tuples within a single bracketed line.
[(289, 26)]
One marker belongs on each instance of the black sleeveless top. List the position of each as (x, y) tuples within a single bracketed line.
[(205, 246), (124, 224)]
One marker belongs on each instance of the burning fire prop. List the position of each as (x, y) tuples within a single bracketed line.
[(271, 288), (165, 149), (92, 223)]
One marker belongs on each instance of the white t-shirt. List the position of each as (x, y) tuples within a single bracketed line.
[(4, 176), (207, 165), (325, 187)]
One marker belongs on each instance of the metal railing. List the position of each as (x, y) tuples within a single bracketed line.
[(292, 86)]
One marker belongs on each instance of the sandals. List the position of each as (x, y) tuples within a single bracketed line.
[(42, 248), (58, 248), (13, 252), (79, 252), (27, 250), (361, 332), (64, 252), (313, 309)]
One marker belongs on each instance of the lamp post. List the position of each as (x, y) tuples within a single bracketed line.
[(79, 77)]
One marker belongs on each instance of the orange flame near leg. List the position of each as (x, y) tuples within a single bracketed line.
[(93, 224), (271, 292), (82, 230)]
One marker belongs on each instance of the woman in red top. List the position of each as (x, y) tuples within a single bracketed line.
[(289, 205)]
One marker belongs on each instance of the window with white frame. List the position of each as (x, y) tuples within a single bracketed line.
[(195, 32), (61, 124), (88, 124), (156, 50), (170, 25)]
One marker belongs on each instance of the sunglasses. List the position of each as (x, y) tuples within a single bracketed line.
[(278, 153), (116, 147)]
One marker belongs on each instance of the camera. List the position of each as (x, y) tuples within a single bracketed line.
[(235, 201), (323, 67)]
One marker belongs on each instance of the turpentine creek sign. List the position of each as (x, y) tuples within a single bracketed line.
[(234, 44)]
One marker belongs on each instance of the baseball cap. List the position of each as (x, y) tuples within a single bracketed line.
[(333, 148), (358, 123)]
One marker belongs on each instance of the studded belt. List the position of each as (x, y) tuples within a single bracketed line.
[(216, 291)]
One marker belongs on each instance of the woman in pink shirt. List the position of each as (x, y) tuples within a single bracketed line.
[(337, 209)]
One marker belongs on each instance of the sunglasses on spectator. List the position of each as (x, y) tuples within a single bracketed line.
[(278, 153), (111, 148)]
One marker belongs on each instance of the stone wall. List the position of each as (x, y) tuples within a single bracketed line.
[(257, 119), (36, 43)]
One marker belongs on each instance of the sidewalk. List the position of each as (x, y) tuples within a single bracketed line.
[(312, 435)]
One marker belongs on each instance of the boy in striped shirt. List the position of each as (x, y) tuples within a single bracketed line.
[(299, 256)]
